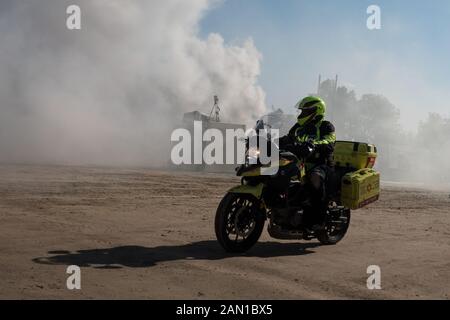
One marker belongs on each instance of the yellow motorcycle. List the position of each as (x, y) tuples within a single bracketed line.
[(242, 213)]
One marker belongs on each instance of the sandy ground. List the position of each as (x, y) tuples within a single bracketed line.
[(147, 234)]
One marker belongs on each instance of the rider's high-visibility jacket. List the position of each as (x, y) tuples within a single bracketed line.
[(322, 135)]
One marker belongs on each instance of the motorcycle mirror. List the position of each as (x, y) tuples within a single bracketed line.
[(259, 125)]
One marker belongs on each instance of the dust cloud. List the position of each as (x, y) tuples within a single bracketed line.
[(417, 156), (111, 93)]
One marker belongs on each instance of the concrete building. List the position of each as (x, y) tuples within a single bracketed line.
[(208, 123)]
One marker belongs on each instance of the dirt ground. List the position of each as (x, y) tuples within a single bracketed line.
[(146, 234)]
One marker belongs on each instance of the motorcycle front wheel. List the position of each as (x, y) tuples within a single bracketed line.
[(239, 222)]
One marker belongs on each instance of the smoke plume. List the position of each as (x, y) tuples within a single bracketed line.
[(111, 92)]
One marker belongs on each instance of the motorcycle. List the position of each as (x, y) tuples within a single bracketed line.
[(244, 210)]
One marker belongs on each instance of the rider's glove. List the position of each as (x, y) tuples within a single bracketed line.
[(305, 149)]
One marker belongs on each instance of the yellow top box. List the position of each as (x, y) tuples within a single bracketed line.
[(357, 155)]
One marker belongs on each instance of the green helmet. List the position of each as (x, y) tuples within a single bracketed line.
[(313, 109)]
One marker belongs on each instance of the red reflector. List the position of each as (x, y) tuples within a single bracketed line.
[(370, 162)]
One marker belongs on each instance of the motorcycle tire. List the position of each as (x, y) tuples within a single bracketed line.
[(332, 237), (229, 212)]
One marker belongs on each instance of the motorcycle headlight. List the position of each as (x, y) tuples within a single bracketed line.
[(252, 156), (253, 153)]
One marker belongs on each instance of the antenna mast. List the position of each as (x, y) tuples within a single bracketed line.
[(215, 110), (318, 85)]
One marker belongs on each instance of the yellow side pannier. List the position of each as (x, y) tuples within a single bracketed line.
[(356, 155), (360, 188)]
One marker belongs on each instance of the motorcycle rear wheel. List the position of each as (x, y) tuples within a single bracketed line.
[(239, 222), (333, 233)]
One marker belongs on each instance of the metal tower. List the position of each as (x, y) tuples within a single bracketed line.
[(215, 111)]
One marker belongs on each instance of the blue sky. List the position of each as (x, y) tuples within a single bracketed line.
[(408, 60)]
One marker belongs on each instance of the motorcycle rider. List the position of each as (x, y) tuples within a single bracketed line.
[(313, 139)]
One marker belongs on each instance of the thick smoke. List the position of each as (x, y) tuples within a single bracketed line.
[(111, 92), (419, 156)]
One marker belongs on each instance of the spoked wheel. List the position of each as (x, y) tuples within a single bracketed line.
[(239, 222), (335, 229)]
